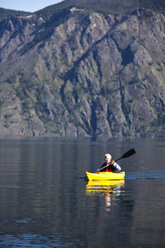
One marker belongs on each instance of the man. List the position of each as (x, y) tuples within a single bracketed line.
[(110, 166)]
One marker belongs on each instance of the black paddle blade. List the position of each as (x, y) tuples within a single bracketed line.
[(127, 154)]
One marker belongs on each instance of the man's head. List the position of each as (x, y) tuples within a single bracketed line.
[(108, 157)]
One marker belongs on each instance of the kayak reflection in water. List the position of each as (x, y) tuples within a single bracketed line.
[(108, 165), (110, 196), (110, 189), (107, 202)]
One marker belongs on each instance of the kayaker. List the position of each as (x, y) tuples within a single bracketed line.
[(110, 166)]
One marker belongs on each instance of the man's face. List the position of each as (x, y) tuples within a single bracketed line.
[(107, 160)]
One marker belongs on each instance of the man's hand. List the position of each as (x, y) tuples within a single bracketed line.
[(97, 170), (113, 161)]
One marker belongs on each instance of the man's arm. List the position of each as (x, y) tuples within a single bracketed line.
[(116, 166)]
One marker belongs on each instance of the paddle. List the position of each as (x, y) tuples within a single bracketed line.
[(125, 155)]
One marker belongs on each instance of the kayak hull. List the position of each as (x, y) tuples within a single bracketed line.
[(105, 176)]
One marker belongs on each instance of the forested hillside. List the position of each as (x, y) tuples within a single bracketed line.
[(117, 7)]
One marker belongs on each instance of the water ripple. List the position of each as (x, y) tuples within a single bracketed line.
[(154, 174), (32, 240)]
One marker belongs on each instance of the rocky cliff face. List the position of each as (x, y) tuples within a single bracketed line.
[(91, 75)]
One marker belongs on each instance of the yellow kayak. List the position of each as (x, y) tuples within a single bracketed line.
[(105, 176)]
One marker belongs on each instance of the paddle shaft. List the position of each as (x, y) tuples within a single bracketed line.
[(125, 155)]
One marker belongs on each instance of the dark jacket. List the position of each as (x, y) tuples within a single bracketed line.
[(111, 167)]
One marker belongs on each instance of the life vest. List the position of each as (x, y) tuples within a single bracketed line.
[(108, 168)]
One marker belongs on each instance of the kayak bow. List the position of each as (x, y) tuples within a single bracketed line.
[(105, 176)]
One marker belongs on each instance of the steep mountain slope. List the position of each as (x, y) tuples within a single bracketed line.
[(80, 73)]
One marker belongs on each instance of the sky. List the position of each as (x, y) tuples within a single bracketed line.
[(27, 5)]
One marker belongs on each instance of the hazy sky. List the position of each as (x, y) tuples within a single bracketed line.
[(27, 5)]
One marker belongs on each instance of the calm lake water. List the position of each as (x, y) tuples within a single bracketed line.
[(44, 202)]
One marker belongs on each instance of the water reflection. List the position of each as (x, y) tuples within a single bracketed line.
[(109, 189), (44, 203)]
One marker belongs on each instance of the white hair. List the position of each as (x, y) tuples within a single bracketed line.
[(108, 156)]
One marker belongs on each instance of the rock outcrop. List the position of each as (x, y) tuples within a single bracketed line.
[(93, 75)]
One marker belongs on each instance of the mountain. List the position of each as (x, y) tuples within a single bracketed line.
[(117, 7), (84, 69), (7, 13)]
